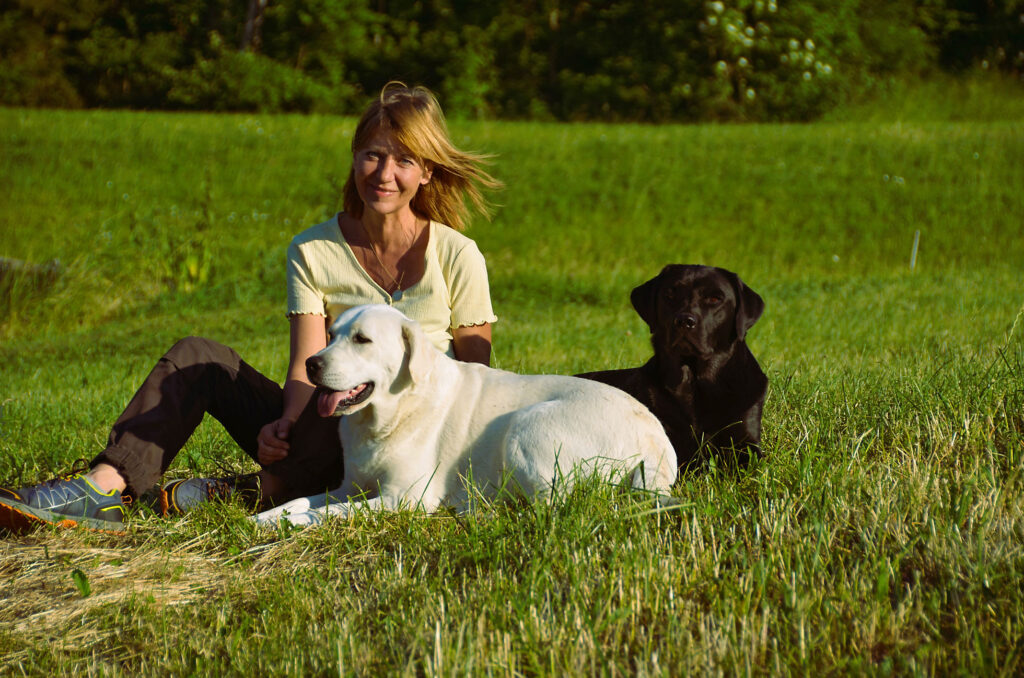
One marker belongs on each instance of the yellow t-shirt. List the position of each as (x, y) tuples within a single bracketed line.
[(325, 278)]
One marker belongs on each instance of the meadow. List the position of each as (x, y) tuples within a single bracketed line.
[(882, 533)]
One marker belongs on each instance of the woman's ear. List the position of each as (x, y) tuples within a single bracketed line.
[(428, 172)]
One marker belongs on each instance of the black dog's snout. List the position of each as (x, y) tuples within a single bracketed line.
[(314, 365), (687, 320)]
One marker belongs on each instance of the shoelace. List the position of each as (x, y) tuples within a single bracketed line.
[(52, 490), (57, 490)]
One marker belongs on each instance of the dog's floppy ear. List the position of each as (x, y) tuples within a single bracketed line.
[(749, 305), (417, 351), (645, 299)]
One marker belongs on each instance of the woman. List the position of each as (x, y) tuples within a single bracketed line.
[(396, 242)]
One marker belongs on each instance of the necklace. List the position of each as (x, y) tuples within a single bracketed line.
[(397, 294)]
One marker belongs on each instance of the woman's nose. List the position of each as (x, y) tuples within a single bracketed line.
[(386, 168)]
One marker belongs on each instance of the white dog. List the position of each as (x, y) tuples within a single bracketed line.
[(419, 427)]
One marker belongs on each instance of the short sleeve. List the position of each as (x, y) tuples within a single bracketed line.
[(469, 290), (303, 296)]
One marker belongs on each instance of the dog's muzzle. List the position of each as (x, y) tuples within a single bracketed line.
[(331, 403), (686, 321)]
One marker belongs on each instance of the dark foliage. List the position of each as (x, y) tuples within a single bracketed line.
[(538, 59)]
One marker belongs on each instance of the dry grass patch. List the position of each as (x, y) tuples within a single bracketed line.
[(56, 583)]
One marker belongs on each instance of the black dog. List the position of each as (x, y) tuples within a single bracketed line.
[(703, 383)]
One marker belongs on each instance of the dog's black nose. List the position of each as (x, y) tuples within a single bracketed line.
[(314, 365), (687, 320)]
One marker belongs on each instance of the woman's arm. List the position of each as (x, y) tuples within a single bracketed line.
[(308, 335), (472, 344)]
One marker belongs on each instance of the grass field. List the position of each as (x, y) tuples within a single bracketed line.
[(882, 534)]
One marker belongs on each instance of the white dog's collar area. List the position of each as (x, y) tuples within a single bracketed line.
[(330, 403)]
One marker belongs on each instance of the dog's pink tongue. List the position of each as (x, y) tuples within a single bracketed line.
[(328, 402)]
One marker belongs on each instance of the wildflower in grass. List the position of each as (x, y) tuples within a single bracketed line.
[(807, 75), (794, 45), (809, 44), (743, 62), (751, 94)]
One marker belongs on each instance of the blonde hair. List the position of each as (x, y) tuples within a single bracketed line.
[(413, 116)]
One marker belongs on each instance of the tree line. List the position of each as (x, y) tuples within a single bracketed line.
[(615, 60)]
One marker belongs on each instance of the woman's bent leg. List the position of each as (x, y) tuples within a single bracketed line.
[(194, 377)]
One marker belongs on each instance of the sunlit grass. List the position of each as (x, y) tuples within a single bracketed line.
[(881, 534)]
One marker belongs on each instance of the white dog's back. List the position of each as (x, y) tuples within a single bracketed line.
[(548, 427)]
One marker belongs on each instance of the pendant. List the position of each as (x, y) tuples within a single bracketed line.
[(396, 295)]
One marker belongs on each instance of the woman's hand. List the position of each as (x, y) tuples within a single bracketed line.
[(273, 441)]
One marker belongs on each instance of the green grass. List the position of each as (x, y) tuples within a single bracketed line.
[(882, 534)]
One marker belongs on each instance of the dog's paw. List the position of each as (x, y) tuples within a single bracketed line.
[(288, 511), (286, 519), (305, 519)]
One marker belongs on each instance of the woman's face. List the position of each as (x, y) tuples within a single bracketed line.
[(387, 175)]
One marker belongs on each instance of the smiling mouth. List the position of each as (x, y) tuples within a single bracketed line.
[(331, 403)]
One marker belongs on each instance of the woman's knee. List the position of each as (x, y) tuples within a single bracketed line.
[(200, 351)]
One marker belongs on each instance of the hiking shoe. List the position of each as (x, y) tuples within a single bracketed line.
[(182, 495), (64, 502)]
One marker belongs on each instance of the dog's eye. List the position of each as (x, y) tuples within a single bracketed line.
[(360, 338), (713, 299)]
